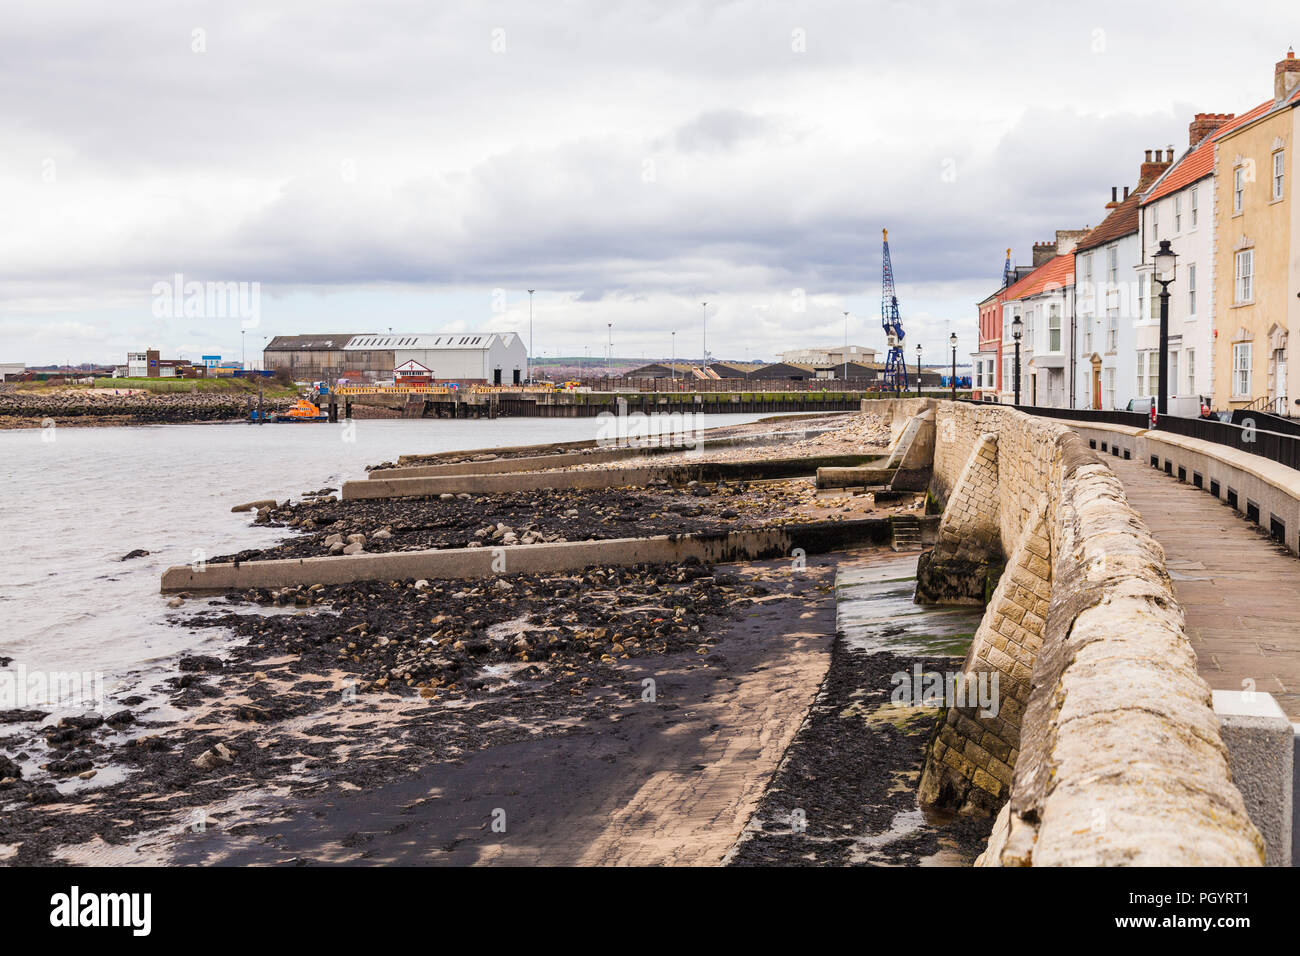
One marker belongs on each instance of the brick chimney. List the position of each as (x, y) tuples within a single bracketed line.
[(1286, 75), (1114, 197), (1043, 252), (1151, 168), (1203, 124)]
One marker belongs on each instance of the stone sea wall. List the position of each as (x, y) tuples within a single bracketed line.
[(1104, 748)]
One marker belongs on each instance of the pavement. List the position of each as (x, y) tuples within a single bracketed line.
[(1239, 589)]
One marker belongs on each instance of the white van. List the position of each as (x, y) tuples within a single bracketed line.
[(1184, 406)]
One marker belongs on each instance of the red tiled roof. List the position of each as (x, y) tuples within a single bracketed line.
[(1199, 163), (1058, 271)]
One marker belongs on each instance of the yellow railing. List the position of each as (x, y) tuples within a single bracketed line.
[(392, 390)]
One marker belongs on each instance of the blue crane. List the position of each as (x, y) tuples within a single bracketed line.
[(896, 363)]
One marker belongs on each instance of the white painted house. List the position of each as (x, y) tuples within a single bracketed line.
[(1179, 207), (1112, 300), (1043, 300)]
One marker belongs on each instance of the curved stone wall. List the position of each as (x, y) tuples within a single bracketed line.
[(1104, 741)]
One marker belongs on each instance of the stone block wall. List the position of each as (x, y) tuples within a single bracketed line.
[(1104, 728), (967, 559)]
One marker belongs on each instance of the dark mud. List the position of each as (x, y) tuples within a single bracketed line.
[(413, 524), (845, 793), (366, 685)]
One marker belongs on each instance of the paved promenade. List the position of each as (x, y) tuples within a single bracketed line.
[(1240, 590)]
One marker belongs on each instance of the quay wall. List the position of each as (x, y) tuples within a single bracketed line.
[(1105, 749)]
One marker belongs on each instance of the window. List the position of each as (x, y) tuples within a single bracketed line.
[(1278, 166), (1142, 375), (1087, 335), (1191, 371), (1029, 327), (1142, 297), (1178, 213), (1241, 369), (1006, 372), (1173, 374), (1112, 264), (1191, 290), (1054, 327), (1109, 376), (1238, 188), (1245, 289), (1112, 329), (1192, 204), (1155, 222)]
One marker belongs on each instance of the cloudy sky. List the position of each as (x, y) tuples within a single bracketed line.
[(419, 165)]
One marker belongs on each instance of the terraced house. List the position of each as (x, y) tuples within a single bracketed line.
[(1179, 207), (1256, 250), (1111, 300)]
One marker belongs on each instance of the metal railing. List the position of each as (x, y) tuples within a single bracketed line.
[(1250, 434)]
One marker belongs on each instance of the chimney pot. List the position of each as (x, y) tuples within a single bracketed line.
[(1126, 192), (1286, 76), (1114, 194)]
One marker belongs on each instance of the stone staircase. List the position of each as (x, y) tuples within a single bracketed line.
[(906, 533)]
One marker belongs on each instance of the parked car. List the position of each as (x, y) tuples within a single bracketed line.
[(1184, 406)]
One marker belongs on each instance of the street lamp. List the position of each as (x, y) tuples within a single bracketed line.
[(609, 349), (673, 365), (704, 360), (952, 340), (528, 363), (918, 369), (242, 340), (1016, 326), (846, 348), (1165, 262)]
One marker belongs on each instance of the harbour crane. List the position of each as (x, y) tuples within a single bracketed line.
[(895, 363)]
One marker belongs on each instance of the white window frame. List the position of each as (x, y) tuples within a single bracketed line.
[(1178, 213), (1238, 188), (1241, 359), (1112, 329), (1193, 203), (1054, 327), (1112, 265), (1191, 371), (1108, 384), (1244, 276), (1155, 222), (1191, 290), (1279, 174)]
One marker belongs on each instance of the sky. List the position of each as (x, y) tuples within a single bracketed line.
[(282, 167)]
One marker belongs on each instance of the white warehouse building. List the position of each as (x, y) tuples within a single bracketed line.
[(494, 358)]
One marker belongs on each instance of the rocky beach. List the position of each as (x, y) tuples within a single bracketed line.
[(107, 406), (333, 708)]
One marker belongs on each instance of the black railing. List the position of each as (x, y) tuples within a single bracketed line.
[(1134, 419), (1253, 439)]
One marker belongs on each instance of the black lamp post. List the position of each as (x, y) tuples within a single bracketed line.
[(1165, 263), (918, 369), (952, 340), (1016, 326)]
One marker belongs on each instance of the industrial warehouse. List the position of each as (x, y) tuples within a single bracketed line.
[(472, 358)]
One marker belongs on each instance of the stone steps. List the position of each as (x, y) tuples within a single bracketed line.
[(906, 533)]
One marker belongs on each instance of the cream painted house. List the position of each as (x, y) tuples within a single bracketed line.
[(1257, 241)]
